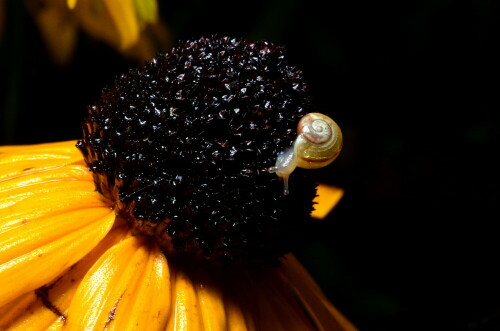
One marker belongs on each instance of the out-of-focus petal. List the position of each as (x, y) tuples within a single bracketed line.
[(326, 199), (94, 18), (47, 306), (147, 11), (123, 24), (155, 36), (57, 27), (71, 3), (128, 288), (123, 14)]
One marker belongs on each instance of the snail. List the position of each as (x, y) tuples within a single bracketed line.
[(318, 143)]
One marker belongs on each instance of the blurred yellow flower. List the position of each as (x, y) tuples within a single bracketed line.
[(68, 262), (130, 26)]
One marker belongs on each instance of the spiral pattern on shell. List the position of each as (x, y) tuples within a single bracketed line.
[(319, 141), (315, 129)]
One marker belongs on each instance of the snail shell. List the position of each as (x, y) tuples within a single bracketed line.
[(319, 141)]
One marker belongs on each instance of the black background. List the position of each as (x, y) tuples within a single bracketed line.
[(414, 86)]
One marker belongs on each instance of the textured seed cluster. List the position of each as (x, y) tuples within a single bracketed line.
[(184, 144)]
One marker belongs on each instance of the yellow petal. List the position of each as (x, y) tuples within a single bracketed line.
[(125, 20), (235, 317), (147, 11), (282, 307), (47, 309), (19, 240), (69, 172), (48, 220), (50, 204), (18, 161), (43, 264), (43, 189), (324, 315), (153, 37), (127, 289), (64, 147), (21, 306), (211, 305), (56, 326), (265, 307), (327, 197), (185, 312), (71, 3)]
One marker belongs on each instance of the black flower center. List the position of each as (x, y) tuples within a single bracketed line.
[(184, 144)]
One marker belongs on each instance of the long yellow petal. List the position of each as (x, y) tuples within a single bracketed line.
[(43, 189), (60, 147), (238, 299), (235, 317), (131, 273), (211, 305), (68, 172), (46, 308), (185, 311), (19, 240), (43, 264), (258, 307), (283, 306), (16, 161), (149, 306), (325, 316), (34, 207)]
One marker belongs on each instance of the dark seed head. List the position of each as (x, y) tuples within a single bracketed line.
[(183, 146)]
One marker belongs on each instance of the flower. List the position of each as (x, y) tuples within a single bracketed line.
[(168, 214), (131, 27), (67, 261)]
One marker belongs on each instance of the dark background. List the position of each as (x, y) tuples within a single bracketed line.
[(414, 86)]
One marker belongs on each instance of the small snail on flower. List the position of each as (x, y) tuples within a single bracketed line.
[(318, 143)]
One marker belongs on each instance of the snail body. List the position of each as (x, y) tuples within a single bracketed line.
[(318, 143)]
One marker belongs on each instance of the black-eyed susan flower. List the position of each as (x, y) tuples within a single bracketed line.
[(131, 27), (174, 218)]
